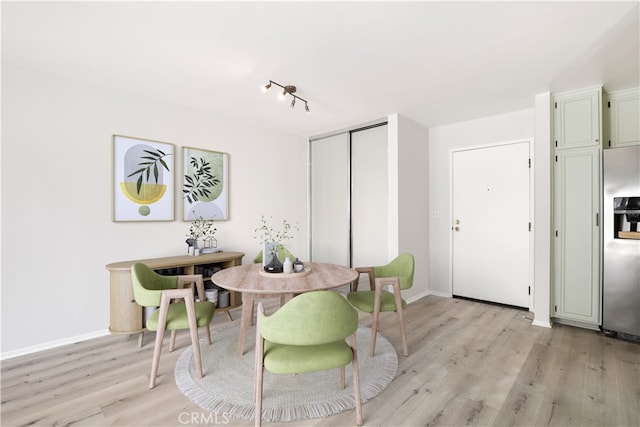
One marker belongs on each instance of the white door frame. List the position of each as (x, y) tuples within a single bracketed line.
[(531, 210)]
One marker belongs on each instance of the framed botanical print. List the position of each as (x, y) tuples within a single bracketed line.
[(205, 184), (143, 180)]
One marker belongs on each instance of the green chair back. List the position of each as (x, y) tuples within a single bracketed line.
[(148, 285), (311, 318), (401, 267)]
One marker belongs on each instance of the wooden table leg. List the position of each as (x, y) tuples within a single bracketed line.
[(245, 320)]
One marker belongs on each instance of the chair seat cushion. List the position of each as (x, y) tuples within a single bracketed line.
[(177, 316), (364, 300), (293, 359)]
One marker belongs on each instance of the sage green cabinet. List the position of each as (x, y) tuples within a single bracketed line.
[(577, 127), (624, 118), (577, 119), (577, 235)]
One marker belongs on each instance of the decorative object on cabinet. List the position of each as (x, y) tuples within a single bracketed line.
[(201, 236), (177, 310), (143, 180), (126, 317), (399, 275), (288, 90), (205, 184)]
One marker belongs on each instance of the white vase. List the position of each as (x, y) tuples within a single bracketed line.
[(287, 266)]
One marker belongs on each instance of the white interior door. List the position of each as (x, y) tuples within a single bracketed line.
[(490, 224)]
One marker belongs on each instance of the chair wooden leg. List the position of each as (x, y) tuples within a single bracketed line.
[(376, 314), (172, 342), (405, 348), (208, 330), (356, 381), (400, 312), (258, 372), (245, 320), (258, 395), (193, 331), (140, 339), (157, 349)]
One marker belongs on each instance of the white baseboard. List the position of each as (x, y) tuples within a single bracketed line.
[(541, 323), (440, 294), (52, 344)]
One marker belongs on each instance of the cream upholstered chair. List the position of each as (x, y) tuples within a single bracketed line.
[(307, 334), (151, 289), (399, 275)]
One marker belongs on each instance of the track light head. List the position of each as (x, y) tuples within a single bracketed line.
[(306, 108), (267, 86), (293, 102)]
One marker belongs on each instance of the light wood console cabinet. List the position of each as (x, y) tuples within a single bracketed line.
[(126, 316)]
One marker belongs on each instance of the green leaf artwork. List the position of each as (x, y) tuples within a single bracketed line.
[(199, 184), (148, 165)]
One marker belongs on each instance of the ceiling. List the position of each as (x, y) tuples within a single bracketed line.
[(433, 62)]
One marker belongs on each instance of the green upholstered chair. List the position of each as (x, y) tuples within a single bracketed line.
[(307, 334), (399, 275), (151, 289)]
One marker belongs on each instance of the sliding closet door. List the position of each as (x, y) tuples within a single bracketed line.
[(369, 196), (330, 200)]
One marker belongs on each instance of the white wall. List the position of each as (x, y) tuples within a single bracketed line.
[(442, 139), (411, 158), (57, 233), (542, 217)]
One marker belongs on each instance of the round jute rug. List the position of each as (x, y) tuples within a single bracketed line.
[(228, 382)]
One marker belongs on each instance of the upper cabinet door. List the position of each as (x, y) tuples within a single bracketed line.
[(576, 119), (624, 118)]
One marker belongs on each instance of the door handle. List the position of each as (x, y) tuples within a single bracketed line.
[(456, 228)]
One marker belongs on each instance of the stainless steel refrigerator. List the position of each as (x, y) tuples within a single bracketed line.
[(621, 240)]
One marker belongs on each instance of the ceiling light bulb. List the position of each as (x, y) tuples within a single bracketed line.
[(266, 87), (282, 95)]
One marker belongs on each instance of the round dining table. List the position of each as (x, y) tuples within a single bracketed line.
[(254, 283)]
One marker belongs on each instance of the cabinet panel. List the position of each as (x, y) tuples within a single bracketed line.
[(577, 240), (624, 118), (577, 119)]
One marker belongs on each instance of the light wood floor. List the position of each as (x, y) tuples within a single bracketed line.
[(469, 364)]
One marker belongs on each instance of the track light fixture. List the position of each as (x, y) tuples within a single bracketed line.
[(287, 90)]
